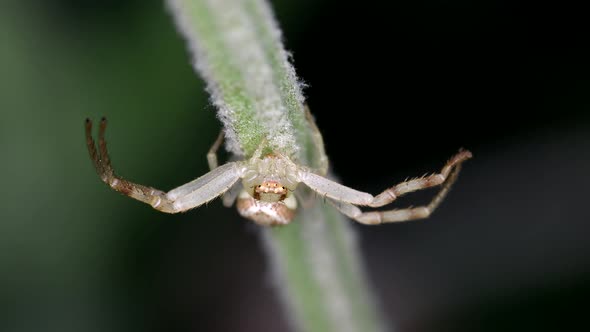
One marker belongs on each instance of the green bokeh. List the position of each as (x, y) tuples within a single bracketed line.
[(63, 234)]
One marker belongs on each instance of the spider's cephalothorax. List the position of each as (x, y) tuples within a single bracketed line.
[(267, 197), (268, 182)]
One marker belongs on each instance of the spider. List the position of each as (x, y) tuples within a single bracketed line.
[(267, 193)]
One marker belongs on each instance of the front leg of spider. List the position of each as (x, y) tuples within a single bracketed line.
[(183, 198), (347, 199)]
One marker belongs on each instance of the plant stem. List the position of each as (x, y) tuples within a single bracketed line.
[(237, 49)]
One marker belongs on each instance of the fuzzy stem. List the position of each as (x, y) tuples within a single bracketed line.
[(237, 49)]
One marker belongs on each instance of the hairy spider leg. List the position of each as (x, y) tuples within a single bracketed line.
[(212, 154), (318, 142), (397, 215), (346, 199), (390, 194), (229, 197), (102, 163), (185, 197)]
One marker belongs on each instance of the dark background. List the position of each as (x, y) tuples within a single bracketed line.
[(395, 89)]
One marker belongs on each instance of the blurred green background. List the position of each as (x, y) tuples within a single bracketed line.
[(396, 89)]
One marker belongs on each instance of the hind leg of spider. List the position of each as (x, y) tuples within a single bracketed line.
[(230, 196), (318, 142), (212, 154), (398, 215)]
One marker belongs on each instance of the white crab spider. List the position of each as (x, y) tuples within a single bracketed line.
[(269, 182)]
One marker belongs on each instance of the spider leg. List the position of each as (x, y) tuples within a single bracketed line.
[(229, 197), (92, 149), (190, 195), (397, 215), (334, 190), (212, 154), (390, 194), (102, 163), (306, 197), (318, 142), (338, 192), (205, 188)]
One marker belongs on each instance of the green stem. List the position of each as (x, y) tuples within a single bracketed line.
[(237, 49)]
